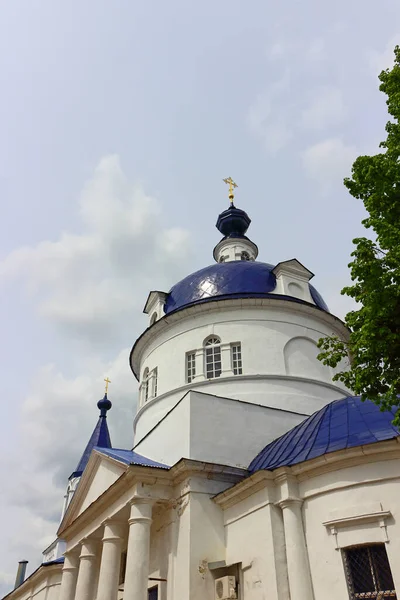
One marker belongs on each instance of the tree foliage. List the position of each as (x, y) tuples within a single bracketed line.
[(374, 341)]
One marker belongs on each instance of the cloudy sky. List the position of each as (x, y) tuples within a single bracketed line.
[(118, 122)]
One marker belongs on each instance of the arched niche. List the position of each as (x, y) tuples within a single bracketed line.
[(300, 354)]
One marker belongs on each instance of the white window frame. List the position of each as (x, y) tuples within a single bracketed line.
[(190, 366), (149, 386), (236, 358), (212, 349)]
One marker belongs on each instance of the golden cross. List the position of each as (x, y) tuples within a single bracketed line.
[(107, 382), (232, 185)]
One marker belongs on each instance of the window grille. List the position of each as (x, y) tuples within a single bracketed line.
[(368, 572), (237, 358), (213, 357), (190, 366), (245, 255)]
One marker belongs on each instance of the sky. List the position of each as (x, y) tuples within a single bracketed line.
[(118, 122)]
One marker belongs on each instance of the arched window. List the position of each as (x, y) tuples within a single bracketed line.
[(153, 318), (155, 382), (212, 347), (245, 255), (145, 385)]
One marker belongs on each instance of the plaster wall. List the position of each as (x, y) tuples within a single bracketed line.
[(354, 491), (44, 585), (106, 474), (213, 429), (255, 539), (279, 349)]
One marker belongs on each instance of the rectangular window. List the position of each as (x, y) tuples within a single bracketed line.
[(236, 358), (368, 572), (190, 366), (213, 361), (153, 593), (155, 382), (122, 568)]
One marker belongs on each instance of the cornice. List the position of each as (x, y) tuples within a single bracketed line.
[(216, 305), (195, 385), (151, 476), (334, 461)]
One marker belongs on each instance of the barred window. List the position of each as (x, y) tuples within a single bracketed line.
[(245, 255), (213, 357), (190, 366), (236, 350), (368, 572)]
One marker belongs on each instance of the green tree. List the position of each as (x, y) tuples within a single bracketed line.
[(374, 342)]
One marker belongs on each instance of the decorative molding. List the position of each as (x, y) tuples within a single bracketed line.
[(201, 381), (378, 517), (220, 305)]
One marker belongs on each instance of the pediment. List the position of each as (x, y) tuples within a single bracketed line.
[(100, 474)]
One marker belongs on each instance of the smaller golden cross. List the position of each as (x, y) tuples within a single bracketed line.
[(107, 382), (232, 185)]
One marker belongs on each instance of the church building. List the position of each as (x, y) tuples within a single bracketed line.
[(253, 475)]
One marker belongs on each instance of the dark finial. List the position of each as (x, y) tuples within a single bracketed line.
[(233, 222), (104, 405)]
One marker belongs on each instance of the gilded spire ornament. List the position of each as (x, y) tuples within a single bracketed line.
[(232, 185), (107, 382)]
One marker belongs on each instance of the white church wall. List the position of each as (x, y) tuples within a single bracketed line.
[(105, 475), (352, 492), (170, 440), (230, 431), (207, 543), (255, 539), (279, 351), (42, 585), (213, 429)]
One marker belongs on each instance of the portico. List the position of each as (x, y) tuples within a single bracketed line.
[(119, 514)]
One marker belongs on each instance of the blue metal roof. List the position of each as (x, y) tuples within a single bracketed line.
[(128, 457), (240, 279), (99, 438), (56, 561), (342, 424)]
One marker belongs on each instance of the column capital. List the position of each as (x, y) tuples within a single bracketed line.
[(141, 511), (290, 501), (113, 530), (88, 548), (71, 560)]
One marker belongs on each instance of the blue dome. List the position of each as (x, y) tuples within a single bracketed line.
[(236, 279), (345, 423)]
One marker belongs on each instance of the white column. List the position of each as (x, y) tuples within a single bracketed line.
[(138, 555), (296, 551), (87, 571), (110, 561), (69, 576)]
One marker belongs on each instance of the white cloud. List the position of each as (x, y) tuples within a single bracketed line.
[(384, 59), (266, 118), (328, 161), (325, 108), (91, 284)]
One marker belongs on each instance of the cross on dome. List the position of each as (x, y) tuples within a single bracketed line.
[(232, 185)]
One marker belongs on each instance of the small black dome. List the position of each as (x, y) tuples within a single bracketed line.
[(233, 222)]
